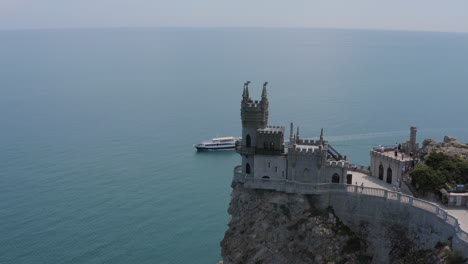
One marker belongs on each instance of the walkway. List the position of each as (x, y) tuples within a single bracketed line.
[(369, 181), (460, 213)]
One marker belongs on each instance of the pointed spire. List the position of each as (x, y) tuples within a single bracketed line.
[(321, 136), (264, 92), (245, 93), (291, 131), (247, 89)]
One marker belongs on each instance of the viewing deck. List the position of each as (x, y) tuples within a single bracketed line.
[(391, 154)]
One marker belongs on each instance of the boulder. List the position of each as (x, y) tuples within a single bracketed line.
[(452, 140), (429, 142)]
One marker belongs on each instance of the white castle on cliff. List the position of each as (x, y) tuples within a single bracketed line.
[(265, 155), (313, 167)]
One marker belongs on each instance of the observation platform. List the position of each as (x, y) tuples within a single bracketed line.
[(391, 154)]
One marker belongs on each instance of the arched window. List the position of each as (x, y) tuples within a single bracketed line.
[(305, 173), (272, 145), (389, 175), (248, 141), (336, 178), (381, 172), (349, 179), (247, 168), (265, 145)]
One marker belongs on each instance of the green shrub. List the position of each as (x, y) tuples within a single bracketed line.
[(441, 169), (428, 179)]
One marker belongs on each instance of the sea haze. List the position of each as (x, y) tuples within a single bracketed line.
[(97, 126)]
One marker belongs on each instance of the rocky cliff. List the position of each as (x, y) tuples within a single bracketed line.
[(275, 227), (450, 146)]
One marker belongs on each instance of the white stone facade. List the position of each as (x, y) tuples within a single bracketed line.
[(265, 156)]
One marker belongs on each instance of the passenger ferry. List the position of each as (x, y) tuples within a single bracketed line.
[(218, 144)]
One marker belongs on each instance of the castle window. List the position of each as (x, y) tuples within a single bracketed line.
[(336, 178), (276, 169), (247, 168), (272, 145), (283, 174), (381, 172), (265, 145), (248, 141), (389, 175), (268, 164)]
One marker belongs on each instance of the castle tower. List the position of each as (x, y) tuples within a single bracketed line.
[(412, 145), (254, 115)]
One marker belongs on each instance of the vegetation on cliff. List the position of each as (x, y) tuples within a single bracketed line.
[(439, 169)]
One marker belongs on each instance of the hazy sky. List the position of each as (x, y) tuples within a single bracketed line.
[(431, 15)]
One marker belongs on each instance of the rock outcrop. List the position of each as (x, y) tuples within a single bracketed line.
[(276, 227), (450, 146)]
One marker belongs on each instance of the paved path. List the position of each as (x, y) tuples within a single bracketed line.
[(369, 181), (460, 213)]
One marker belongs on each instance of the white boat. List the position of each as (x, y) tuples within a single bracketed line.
[(218, 144)]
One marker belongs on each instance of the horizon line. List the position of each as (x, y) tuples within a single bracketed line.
[(222, 27)]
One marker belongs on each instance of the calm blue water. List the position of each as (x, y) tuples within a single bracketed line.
[(97, 126)]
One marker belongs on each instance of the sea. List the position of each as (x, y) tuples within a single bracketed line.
[(97, 126)]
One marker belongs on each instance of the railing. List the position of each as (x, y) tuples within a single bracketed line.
[(359, 168), (245, 150), (311, 188), (335, 154), (386, 147)]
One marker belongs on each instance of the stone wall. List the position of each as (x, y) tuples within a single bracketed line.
[(382, 216), (395, 164), (273, 167)]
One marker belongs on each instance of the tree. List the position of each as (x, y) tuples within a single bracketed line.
[(428, 179)]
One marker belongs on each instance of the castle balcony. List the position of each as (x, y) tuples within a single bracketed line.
[(243, 150), (271, 151)]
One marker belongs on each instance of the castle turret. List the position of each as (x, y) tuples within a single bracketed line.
[(321, 136), (412, 145), (254, 115), (245, 94)]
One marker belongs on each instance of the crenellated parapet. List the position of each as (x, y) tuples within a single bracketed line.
[(337, 164), (301, 150), (311, 142), (387, 156), (271, 130)]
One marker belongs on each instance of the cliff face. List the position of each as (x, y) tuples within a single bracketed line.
[(275, 227)]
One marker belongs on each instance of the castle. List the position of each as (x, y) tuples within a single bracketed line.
[(265, 154), (313, 167)]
